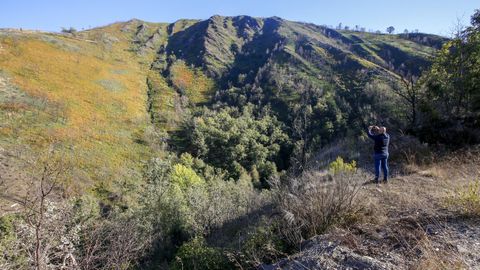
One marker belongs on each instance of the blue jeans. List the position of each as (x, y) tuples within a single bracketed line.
[(381, 160)]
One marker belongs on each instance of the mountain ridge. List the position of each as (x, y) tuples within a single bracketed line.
[(167, 70)]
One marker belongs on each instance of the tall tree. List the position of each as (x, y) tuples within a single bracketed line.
[(452, 97), (454, 79), (302, 124), (410, 90), (390, 29)]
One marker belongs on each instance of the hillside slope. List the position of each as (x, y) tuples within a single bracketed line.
[(84, 95), (344, 76), (95, 94)]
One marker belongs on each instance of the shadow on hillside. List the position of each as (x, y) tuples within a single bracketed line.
[(233, 233)]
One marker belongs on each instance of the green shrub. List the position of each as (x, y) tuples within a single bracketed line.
[(263, 245), (340, 166), (183, 177), (70, 30), (6, 225), (185, 198), (197, 255), (468, 199), (11, 252)]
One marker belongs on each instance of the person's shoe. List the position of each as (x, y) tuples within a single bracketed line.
[(385, 181), (369, 182)]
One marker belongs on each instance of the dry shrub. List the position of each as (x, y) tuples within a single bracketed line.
[(27, 243), (118, 243), (433, 255), (410, 154), (463, 163), (46, 228), (312, 202), (51, 232), (436, 172), (412, 237), (433, 258)]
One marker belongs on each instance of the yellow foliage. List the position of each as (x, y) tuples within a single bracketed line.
[(191, 82), (185, 177), (183, 180), (340, 166), (71, 102), (468, 199)]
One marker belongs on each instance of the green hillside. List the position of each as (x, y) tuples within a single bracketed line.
[(99, 91), (237, 143)]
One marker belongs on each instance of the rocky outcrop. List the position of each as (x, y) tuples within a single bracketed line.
[(322, 253)]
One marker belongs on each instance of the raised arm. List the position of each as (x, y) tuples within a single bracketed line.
[(369, 132)]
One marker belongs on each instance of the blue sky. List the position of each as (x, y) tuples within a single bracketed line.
[(430, 16)]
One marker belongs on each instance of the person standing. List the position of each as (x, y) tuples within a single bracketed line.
[(381, 138)]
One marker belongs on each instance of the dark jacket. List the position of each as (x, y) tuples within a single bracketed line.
[(381, 142)]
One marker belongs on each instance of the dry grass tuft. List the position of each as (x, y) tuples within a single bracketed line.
[(434, 258), (312, 203)]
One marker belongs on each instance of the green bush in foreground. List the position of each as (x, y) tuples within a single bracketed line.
[(340, 166), (263, 245), (197, 255), (10, 245), (468, 199)]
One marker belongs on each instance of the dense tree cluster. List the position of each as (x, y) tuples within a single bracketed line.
[(452, 100), (454, 79), (238, 141)]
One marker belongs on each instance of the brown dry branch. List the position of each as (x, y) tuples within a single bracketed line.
[(113, 244), (46, 231)]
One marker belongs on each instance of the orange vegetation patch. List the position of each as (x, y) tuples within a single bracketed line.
[(13, 107), (72, 78), (82, 106), (191, 82)]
